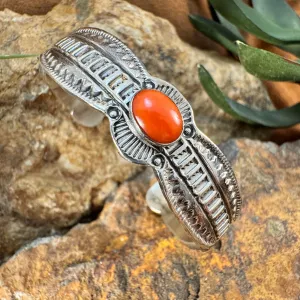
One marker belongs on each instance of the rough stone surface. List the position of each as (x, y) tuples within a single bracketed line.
[(127, 253), (34, 7), (53, 172)]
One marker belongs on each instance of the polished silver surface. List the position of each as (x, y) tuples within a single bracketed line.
[(194, 175)]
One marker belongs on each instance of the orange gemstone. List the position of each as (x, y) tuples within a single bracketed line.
[(157, 115)]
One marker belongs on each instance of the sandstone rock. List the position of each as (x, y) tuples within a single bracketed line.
[(128, 253), (52, 171)]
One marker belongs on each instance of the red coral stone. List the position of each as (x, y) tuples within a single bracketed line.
[(157, 116)]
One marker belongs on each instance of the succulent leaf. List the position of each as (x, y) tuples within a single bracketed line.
[(267, 65), (251, 20), (230, 27), (216, 32), (12, 56), (279, 12), (270, 118)]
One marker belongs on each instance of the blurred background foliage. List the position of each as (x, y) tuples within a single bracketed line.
[(271, 25), (272, 21)]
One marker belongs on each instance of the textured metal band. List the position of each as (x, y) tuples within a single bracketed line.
[(195, 177)]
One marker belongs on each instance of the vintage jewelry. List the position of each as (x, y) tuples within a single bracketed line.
[(151, 124)]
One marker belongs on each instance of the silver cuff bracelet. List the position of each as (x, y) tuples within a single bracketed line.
[(152, 124)]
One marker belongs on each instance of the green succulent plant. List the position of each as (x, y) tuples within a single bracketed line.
[(273, 21), (12, 56)]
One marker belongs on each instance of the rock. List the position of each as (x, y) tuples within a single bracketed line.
[(35, 7), (127, 253), (52, 170), (175, 12)]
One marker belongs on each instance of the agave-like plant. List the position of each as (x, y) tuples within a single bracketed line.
[(272, 21)]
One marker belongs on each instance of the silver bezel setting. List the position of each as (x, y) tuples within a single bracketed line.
[(140, 131)]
